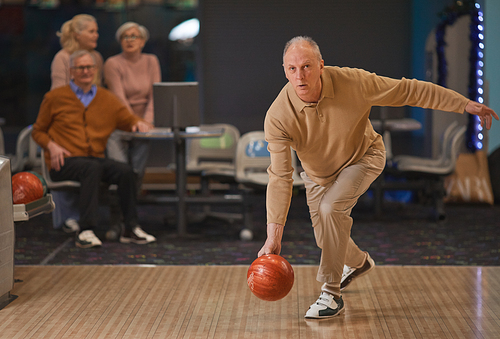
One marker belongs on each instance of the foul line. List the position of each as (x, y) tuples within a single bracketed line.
[(54, 253)]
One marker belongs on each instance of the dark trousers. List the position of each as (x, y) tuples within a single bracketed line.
[(91, 172)]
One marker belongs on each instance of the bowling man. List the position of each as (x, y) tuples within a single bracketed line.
[(322, 113)]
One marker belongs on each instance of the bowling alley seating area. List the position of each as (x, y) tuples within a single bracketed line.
[(403, 234)]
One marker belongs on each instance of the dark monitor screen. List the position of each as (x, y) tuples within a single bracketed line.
[(176, 104)]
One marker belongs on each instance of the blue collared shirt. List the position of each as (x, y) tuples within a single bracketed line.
[(85, 98)]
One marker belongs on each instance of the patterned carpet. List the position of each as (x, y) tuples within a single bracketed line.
[(404, 235)]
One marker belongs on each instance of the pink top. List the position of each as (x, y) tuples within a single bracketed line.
[(59, 69), (132, 82)]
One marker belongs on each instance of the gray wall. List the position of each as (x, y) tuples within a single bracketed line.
[(241, 46)]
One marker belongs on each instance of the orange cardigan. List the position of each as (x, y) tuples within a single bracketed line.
[(82, 131)]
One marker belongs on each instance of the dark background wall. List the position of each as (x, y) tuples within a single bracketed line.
[(242, 42)]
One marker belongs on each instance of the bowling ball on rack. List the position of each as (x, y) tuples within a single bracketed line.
[(270, 277), (42, 180), (26, 188)]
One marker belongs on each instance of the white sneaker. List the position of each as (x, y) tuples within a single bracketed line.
[(346, 272), (325, 307), (87, 239), (71, 226), (351, 273), (136, 236)]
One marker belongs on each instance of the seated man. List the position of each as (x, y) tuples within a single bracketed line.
[(73, 126)]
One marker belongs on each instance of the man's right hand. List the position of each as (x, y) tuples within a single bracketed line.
[(142, 126), (57, 154), (484, 113), (273, 241)]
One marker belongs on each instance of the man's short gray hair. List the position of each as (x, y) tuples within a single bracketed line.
[(306, 39), (126, 26), (78, 54)]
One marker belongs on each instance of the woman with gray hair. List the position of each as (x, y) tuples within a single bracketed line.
[(81, 32), (130, 76)]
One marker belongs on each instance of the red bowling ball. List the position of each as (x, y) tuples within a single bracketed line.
[(270, 277), (26, 188)]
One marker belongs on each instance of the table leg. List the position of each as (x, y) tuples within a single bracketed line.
[(180, 178)]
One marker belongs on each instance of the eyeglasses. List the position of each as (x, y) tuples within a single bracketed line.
[(131, 37), (84, 68)]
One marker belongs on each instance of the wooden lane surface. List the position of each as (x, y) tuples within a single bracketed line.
[(215, 302)]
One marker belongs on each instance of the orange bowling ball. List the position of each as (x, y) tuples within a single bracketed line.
[(42, 180), (270, 277), (26, 188)]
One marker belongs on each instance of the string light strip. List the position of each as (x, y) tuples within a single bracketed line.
[(475, 136), (477, 32)]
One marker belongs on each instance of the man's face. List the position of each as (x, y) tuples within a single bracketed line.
[(303, 70), (83, 71)]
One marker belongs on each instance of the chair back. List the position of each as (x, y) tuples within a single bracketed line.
[(446, 140), (213, 153), (27, 152), (253, 159), (451, 143), (452, 150)]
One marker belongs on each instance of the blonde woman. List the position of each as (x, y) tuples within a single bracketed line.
[(81, 32)]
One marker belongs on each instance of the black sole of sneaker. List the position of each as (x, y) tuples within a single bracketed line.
[(132, 241), (86, 245), (326, 317)]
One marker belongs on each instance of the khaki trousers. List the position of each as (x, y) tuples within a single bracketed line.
[(330, 208)]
